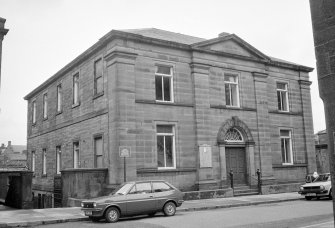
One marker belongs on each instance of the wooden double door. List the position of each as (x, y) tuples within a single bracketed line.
[(236, 161)]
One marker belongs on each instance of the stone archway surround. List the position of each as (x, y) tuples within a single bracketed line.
[(248, 143)]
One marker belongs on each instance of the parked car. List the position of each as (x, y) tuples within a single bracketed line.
[(135, 198), (320, 187)]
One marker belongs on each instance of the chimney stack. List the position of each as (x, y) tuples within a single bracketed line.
[(222, 34)]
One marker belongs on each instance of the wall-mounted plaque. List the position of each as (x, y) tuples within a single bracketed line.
[(205, 152)]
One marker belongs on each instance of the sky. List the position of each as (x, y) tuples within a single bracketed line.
[(45, 35)]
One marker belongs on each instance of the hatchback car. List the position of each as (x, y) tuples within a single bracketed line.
[(320, 187), (135, 198)]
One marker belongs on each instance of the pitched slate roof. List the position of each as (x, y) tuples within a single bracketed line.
[(165, 35), (145, 34)]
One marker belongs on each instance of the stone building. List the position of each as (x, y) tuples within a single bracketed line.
[(3, 32), (180, 108), (321, 152), (13, 156)]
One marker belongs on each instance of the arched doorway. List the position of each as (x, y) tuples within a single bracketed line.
[(236, 156), (236, 146)]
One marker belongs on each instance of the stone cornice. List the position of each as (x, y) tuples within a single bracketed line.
[(199, 68), (305, 82), (120, 54)]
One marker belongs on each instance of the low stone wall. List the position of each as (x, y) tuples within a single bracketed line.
[(209, 194), (83, 184), (280, 188)]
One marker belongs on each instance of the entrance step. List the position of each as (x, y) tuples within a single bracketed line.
[(245, 190)]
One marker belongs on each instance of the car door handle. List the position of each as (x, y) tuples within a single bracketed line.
[(151, 196)]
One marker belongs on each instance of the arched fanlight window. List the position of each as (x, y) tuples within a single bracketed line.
[(233, 135)]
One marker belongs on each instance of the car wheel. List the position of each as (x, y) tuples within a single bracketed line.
[(152, 214), (169, 209), (308, 197), (112, 214), (94, 219), (330, 194)]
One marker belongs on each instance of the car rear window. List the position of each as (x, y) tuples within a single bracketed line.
[(161, 187)]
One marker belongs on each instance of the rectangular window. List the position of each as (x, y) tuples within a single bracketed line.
[(286, 146), (231, 90), (75, 89), (76, 161), (44, 161), (33, 112), (98, 79), (33, 162), (45, 105), (282, 97), (59, 98), (164, 83), (98, 150), (165, 146), (58, 159)]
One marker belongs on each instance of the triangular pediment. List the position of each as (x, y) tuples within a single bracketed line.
[(231, 44)]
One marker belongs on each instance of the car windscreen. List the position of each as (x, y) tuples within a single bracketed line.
[(123, 189), (322, 178)]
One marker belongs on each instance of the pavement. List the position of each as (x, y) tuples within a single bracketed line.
[(10, 217)]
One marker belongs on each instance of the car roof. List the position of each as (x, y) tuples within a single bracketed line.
[(142, 181)]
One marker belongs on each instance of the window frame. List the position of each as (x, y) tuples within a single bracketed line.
[(286, 91), (97, 77), (33, 161), (76, 154), (44, 162), (45, 106), (170, 76), (34, 112), (98, 136), (291, 146), (236, 75), (173, 134), (58, 159), (75, 89), (59, 104)]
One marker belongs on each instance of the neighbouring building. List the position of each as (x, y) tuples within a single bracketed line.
[(154, 104), (3, 32), (323, 21), (321, 152), (13, 156)]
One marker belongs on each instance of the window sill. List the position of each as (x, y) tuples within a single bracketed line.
[(45, 118), (44, 176), (98, 95), (232, 107), (172, 170), (163, 103), (285, 165), (286, 113), (59, 112), (75, 105)]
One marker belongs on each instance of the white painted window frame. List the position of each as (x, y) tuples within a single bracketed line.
[(286, 98), (170, 76), (291, 146), (230, 90), (173, 134), (76, 154)]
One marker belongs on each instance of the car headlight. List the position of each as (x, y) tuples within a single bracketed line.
[(94, 204), (301, 188), (82, 204), (322, 187)]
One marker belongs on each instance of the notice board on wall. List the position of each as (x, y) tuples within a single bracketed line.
[(205, 152)]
